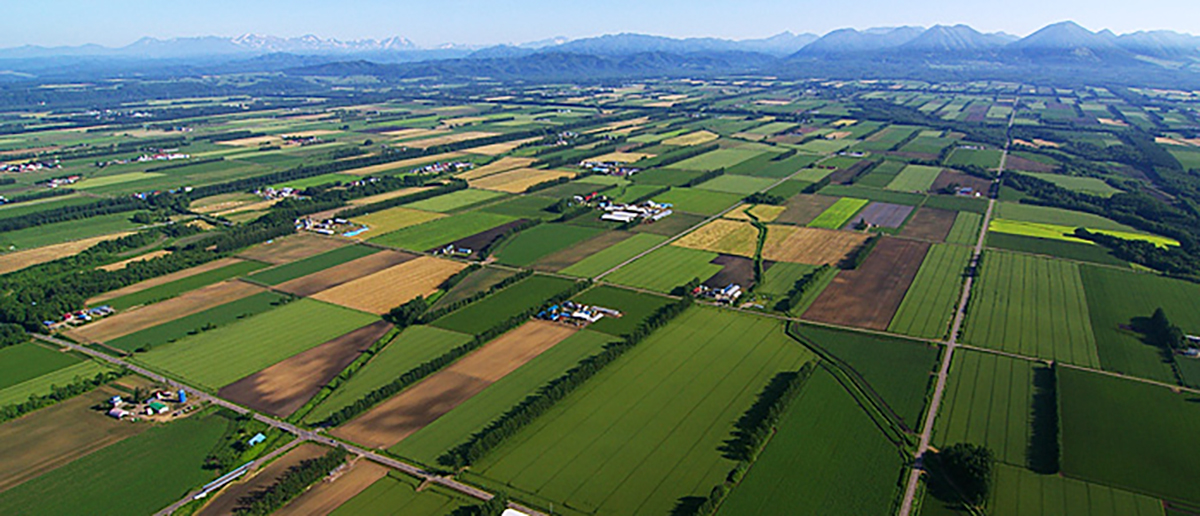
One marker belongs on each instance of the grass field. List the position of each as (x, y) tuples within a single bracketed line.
[(180, 328), (743, 185), (416, 345), (530, 245), (1065, 249), (989, 158), (915, 178), (1032, 306), (498, 307), (648, 429), (823, 146), (965, 230), (441, 231), (700, 202), (813, 175), (177, 287), (43, 383), (222, 356), (1142, 444), (525, 207), (60, 232), (133, 476), (1115, 298), (320, 262), (766, 166), (1020, 491), (956, 203), (634, 307), (666, 268), (1066, 233), (848, 466), (839, 214), (606, 259), (934, 294), (988, 402), (882, 175), (454, 200), (397, 494), (478, 281), (391, 219), (722, 236), (666, 177), (24, 362), (1087, 185), (781, 276)]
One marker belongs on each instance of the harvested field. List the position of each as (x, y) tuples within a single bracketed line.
[(881, 214), (723, 236), (285, 387), (131, 321), (384, 290), (125, 263), (622, 157), (402, 164), (496, 167), (869, 296), (802, 209), (930, 224), (363, 201), (291, 248), (485, 238), (497, 149), (328, 495), (737, 269), (950, 177), (764, 212), (349, 271), (405, 414), (696, 138), (516, 181), (809, 245), (447, 139), (412, 132), (560, 260), (229, 498), (10, 262), (392, 219)]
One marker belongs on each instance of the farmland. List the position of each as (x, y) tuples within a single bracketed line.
[(1088, 185), (398, 494), (614, 255), (453, 201), (169, 330), (965, 229), (312, 264), (988, 402), (666, 268), (839, 214), (1065, 233), (699, 202), (743, 185), (930, 224), (634, 306), (180, 286), (497, 308), (516, 181), (431, 234), (915, 178), (344, 272), (931, 300), (44, 383), (392, 219), (869, 296), (809, 245), (569, 256), (802, 209), (30, 360), (530, 245), (723, 236), (379, 292), (18, 260)]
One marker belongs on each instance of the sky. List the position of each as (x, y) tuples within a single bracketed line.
[(479, 22)]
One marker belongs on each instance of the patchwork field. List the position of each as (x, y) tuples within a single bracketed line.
[(399, 494), (1065, 233), (228, 499), (869, 296), (501, 165), (44, 384), (384, 290), (132, 321), (613, 255), (839, 214), (965, 230), (454, 200), (930, 224), (497, 308), (1087, 185), (699, 202), (18, 260), (802, 209), (174, 329), (181, 286), (20, 363), (291, 248), (516, 181), (809, 245), (723, 236), (666, 268), (339, 274), (327, 496), (441, 231), (934, 295), (989, 400), (568, 257), (690, 139), (387, 196), (1058, 217), (1020, 491), (392, 219), (743, 185), (763, 212), (532, 244), (915, 178)]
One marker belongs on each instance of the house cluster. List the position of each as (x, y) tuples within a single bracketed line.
[(334, 226), (29, 166), (160, 155), (269, 193), (442, 167), (609, 168), (302, 141), (966, 191), (81, 316), (728, 294), (151, 193), (158, 404), (61, 181), (853, 154), (971, 147), (576, 314), (648, 211), (453, 250)]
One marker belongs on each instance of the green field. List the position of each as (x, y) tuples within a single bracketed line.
[(635, 307), (180, 328), (839, 214), (721, 158), (1064, 249), (23, 362), (1020, 491), (20, 209), (780, 277), (60, 232), (498, 307), (478, 281), (1142, 443), (965, 230), (1031, 306), (649, 428), (700, 202), (956, 203), (525, 207), (915, 178), (534, 243), (743, 185), (771, 128), (320, 262), (453, 428), (988, 402), (766, 166), (666, 177), (229, 353), (873, 194), (813, 175), (882, 175), (666, 268), (1115, 298), (827, 457), (139, 475), (989, 158), (454, 200), (323, 179), (613, 256), (416, 345), (823, 146), (397, 494), (1087, 185), (442, 231), (180, 286), (1058, 216), (43, 384), (116, 179), (931, 300)]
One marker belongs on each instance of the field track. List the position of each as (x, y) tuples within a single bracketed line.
[(869, 296)]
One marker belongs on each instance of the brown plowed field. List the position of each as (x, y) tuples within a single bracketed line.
[(227, 500), (737, 269), (154, 282), (285, 387), (802, 209), (328, 495), (483, 239), (292, 248), (869, 296), (930, 224), (138, 319), (392, 287), (55, 436), (813, 246), (950, 177), (1028, 165), (349, 271), (409, 411), (567, 257)]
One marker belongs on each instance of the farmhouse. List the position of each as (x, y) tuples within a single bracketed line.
[(156, 407), (117, 413), (576, 314), (727, 294)]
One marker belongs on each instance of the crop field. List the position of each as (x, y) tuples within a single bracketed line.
[(566, 257), (930, 224), (291, 248), (950, 177), (227, 500), (410, 411), (133, 476), (222, 356), (416, 345), (823, 146), (809, 245), (1032, 306), (501, 165), (744, 185), (635, 307), (345, 272), (915, 178), (868, 297), (181, 286), (765, 165), (802, 209), (498, 307), (881, 214), (1055, 232), (384, 290), (1116, 298), (15, 261), (874, 194), (162, 280), (699, 202), (526, 207), (989, 399), (448, 139), (813, 175), (441, 231), (63, 232), (612, 256), (887, 138), (723, 236), (882, 175), (534, 243), (1059, 217), (838, 214), (666, 268), (931, 300), (454, 200), (763, 212), (781, 276), (1138, 445), (311, 265), (516, 181), (965, 230), (363, 201), (1020, 491), (850, 466), (1088, 185), (478, 281), (398, 494), (989, 158), (23, 362), (392, 219), (691, 139), (44, 383), (666, 177), (147, 332), (648, 429)]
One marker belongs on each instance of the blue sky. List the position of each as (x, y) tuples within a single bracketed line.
[(120, 22)]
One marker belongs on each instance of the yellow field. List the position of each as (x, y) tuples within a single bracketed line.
[(363, 201), (772, 102), (516, 181), (723, 236), (413, 133), (125, 263), (392, 219), (377, 293), (21, 259), (621, 124), (1110, 121), (496, 167), (837, 135), (252, 142), (449, 138), (387, 167), (696, 138), (764, 212), (809, 245), (497, 149), (750, 136), (845, 122), (254, 206), (622, 157)]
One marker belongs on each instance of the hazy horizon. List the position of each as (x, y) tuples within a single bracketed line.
[(474, 22)]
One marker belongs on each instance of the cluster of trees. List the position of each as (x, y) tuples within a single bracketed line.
[(784, 155), (765, 198), (40, 194), (802, 287), (291, 484), (536, 404), (11, 335), (408, 313), (856, 258), (817, 186), (58, 393), (225, 454), (862, 168), (1172, 260), (75, 212), (960, 473), (493, 507), (1161, 332)]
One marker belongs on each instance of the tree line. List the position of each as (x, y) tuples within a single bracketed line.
[(291, 484), (801, 287)]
